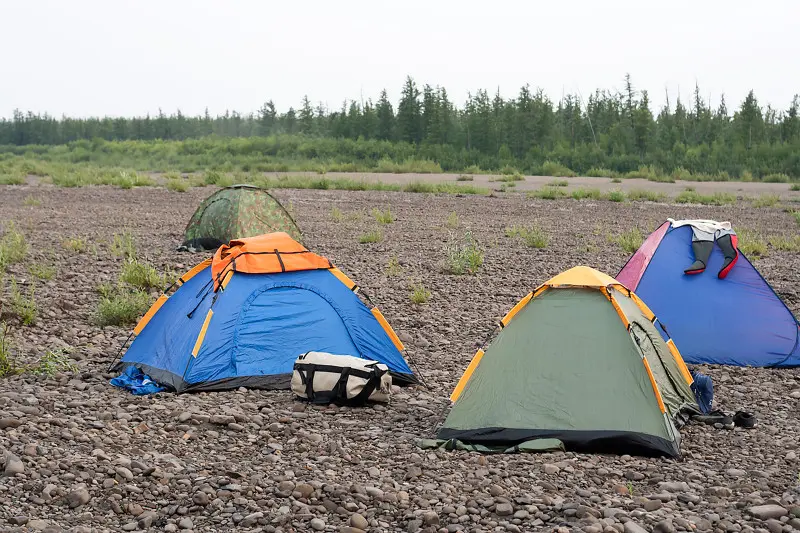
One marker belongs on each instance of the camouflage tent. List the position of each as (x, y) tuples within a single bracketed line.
[(237, 212)]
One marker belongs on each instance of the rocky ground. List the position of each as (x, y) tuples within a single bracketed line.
[(80, 455)]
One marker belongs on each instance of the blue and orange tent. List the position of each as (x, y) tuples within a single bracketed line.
[(738, 320), (242, 318)]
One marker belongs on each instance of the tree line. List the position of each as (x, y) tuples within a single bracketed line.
[(609, 129)]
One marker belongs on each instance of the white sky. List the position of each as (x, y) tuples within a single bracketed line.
[(130, 57)]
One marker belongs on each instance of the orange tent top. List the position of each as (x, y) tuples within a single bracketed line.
[(581, 276), (265, 254)]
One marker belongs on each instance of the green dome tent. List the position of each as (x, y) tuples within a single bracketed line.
[(237, 212)]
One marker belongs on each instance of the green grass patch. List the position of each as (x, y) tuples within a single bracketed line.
[(533, 236), (370, 237), (794, 187), (141, 275), (419, 294), (785, 244), (630, 240), (23, 306), (464, 256), (643, 195), (13, 247), (336, 214), (42, 272), (548, 193), (555, 169), (690, 196), (587, 194), (124, 246), (465, 178), (52, 363), (393, 267), (120, 307), (510, 178), (8, 362), (767, 200), (616, 196), (473, 169), (649, 173), (75, 244), (616, 180), (752, 243), (796, 215), (776, 178), (509, 170), (599, 172), (32, 201), (452, 221), (383, 217), (557, 183), (12, 179), (178, 185)]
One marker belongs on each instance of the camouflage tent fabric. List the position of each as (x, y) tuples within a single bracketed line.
[(237, 212)]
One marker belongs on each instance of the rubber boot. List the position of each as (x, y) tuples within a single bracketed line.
[(727, 243), (702, 251)]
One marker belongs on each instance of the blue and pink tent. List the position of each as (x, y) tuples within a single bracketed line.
[(738, 320)]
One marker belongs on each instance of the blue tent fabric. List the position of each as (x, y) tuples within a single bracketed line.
[(137, 382), (703, 390), (260, 324), (739, 320)]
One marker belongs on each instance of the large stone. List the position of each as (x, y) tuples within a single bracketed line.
[(765, 512), (317, 524), (504, 509), (358, 521), (79, 497), (633, 527), (10, 423), (13, 466)]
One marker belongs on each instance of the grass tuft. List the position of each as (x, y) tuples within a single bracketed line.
[(464, 257), (552, 168), (616, 180), (548, 193), (558, 183), (32, 201), (599, 172), (123, 246), (13, 247), (583, 194), (8, 363), (794, 187), (766, 200), (52, 363), (372, 236), (419, 294), (616, 196), (533, 236), (643, 195), (76, 244), (383, 217), (42, 272), (776, 178), (141, 275), (630, 240), (178, 185), (393, 268), (22, 306), (752, 243), (465, 178), (120, 307), (452, 221)]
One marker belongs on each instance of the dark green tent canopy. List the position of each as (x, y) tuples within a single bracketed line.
[(578, 360), (237, 212)]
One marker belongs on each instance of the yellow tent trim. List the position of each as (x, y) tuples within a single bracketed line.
[(193, 272), (226, 278), (516, 309), (655, 386), (680, 362), (350, 284), (466, 375), (643, 307), (202, 334), (388, 329), (620, 312), (150, 313)]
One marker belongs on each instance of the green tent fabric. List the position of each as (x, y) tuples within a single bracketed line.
[(567, 367), (237, 212), (529, 446)]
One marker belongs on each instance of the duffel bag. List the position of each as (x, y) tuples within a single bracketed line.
[(323, 378)]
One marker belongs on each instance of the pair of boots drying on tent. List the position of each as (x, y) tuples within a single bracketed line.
[(704, 234)]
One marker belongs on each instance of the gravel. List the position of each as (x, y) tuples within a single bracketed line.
[(79, 455)]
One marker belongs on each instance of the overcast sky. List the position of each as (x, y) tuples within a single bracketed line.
[(125, 57)]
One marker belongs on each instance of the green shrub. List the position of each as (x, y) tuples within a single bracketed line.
[(639, 195), (794, 187), (121, 307), (472, 169), (510, 178), (533, 236), (509, 170), (796, 215), (548, 193), (23, 307), (12, 179), (616, 180), (141, 275), (419, 294), (371, 237), (13, 247), (583, 194), (746, 175), (336, 214), (558, 183), (383, 217), (616, 196), (649, 173), (599, 172), (178, 185), (630, 240), (211, 177), (766, 200), (464, 257), (776, 178), (681, 173), (785, 244), (552, 168), (464, 178), (690, 196)]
